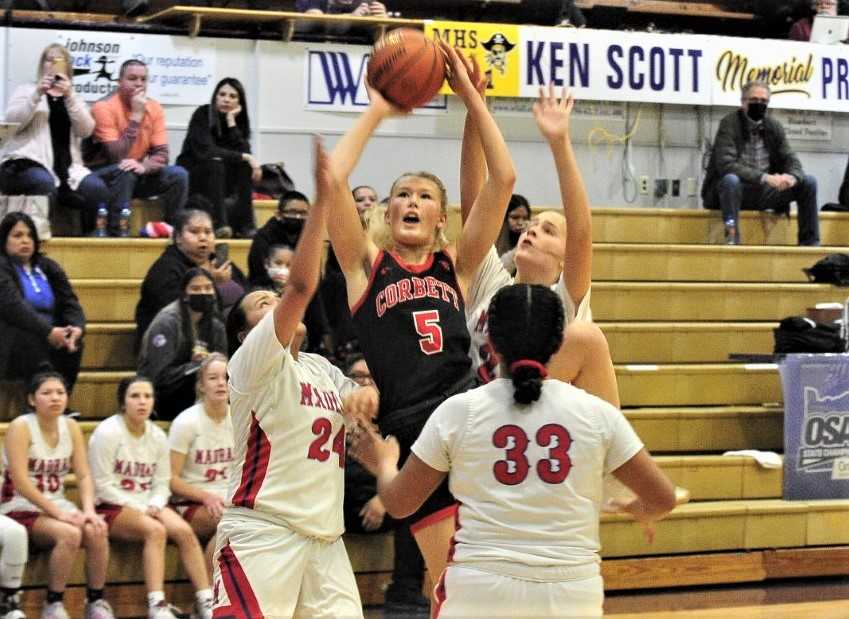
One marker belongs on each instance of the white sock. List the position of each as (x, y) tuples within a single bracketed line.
[(155, 597), (202, 595)]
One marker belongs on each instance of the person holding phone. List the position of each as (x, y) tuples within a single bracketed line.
[(44, 155), (194, 246), (217, 154), (183, 334)]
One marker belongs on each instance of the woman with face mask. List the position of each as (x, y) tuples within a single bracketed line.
[(181, 336)]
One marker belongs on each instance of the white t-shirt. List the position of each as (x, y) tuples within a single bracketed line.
[(489, 279), (208, 447), (130, 470), (528, 478), (47, 468), (289, 435)]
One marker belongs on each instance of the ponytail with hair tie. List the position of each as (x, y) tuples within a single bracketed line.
[(529, 363)]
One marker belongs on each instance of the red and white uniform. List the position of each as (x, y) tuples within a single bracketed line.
[(128, 470), (279, 551), (47, 468), (529, 483), (490, 278), (208, 447)]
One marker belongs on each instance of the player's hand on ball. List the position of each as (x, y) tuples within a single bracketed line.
[(460, 69), (552, 115), (379, 104)]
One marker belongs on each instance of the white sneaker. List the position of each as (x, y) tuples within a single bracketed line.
[(99, 609), (10, 609), (163, 610), (56, 610), (14, 613), (203, 610)]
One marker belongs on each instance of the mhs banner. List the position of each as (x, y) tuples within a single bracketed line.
[(816, 426), (336, 80), (654, 68)]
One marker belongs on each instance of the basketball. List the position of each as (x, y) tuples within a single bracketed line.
[(406, 68)]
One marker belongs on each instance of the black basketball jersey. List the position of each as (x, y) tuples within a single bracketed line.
[(412, 329)]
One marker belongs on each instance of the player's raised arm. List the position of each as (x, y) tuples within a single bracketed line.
[(552, 116), (306, 263), (353, 248), (472, 160), (486, 215)]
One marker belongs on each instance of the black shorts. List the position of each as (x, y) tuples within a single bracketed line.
[(406, 424)]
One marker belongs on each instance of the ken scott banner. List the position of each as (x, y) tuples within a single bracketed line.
[(656, 68)]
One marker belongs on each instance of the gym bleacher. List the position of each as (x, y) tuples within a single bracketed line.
[(674, 304)]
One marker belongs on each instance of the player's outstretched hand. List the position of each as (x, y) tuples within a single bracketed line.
[(552, 114), (375, 453), (362, 404), (460, 72), (633, 507)]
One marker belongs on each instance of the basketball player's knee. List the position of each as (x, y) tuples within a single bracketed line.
[(69, 536), (155, 533), (183, 534)]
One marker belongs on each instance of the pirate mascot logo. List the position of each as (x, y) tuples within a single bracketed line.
[(497, 49)]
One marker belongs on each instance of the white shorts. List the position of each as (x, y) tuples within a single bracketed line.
[(464, 592), (267, 570)]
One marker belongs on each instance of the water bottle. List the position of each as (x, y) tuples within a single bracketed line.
[(101, 223), (124, 221)]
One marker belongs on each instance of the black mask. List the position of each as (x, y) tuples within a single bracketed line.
[(202, 303), (756, 111), (292, 227)]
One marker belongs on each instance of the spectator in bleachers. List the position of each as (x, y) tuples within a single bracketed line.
[(365, 197), (41, 320), (365, 513), (516, 219), (217, 155), (194, 241), (334, 293), (284, 228), (801, 29), (843, 194), (753, 167), (41, 449), (201, 440), (13, 559), (355, 7), (129, 149), (182, 335), (571, 15), (44, 156), (131, 469), (277, 266)]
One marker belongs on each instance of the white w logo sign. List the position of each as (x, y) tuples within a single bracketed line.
[(337, 79)]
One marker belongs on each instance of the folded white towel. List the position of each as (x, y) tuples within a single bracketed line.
[(767, 459)]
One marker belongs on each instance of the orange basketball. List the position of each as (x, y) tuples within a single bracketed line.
[(406, 68)]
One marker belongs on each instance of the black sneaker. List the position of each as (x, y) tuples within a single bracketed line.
[(402, 603)]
